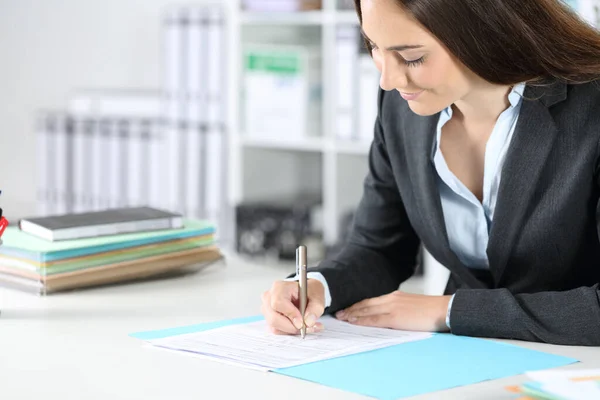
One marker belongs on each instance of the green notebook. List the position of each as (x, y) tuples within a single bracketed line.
[(17, 243), (110, 258)]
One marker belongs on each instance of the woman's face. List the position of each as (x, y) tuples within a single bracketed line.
[(411, 60)]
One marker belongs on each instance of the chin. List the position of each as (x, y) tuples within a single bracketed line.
[(424, 109)]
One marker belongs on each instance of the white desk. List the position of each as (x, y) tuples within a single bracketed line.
[(76, 346)]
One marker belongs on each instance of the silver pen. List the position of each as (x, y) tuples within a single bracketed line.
[(302, 289)]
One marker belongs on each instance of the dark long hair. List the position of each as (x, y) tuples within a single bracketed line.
[(511, 41)]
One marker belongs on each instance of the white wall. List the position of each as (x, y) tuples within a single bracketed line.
[(49, 48)]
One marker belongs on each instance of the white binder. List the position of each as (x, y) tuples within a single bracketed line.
[(196, 83), (215, 155), (45, 166), (346, 77), (60, 167), (175, 32), (79, 164)]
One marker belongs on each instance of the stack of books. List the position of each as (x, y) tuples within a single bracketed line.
[(582, 384), (46, 255)]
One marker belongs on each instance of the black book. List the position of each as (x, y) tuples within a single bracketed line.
[(101, 223)]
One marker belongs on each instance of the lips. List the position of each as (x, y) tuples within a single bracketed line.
[(410, 96)]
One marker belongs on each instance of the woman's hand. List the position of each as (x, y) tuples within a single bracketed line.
[(399, 310), (280, 306)]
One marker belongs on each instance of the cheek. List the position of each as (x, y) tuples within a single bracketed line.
[(441, 77)]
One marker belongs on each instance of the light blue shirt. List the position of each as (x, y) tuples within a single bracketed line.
[(467, 220)]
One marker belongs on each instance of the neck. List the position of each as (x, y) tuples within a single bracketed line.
[(484, 103)]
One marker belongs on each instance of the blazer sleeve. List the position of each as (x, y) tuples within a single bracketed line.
[(569, 317), (382, 248)]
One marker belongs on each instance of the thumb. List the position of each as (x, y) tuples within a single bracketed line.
[(316, 302)]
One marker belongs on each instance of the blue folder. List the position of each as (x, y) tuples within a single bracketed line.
[(441, 362)]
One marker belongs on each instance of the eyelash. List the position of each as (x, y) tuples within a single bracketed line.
[(412, 63)]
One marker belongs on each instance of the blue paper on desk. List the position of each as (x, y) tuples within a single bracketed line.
[(441, 362)]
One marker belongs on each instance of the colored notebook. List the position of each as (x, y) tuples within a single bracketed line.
[(28, 268), (19, 244), (132, 270)]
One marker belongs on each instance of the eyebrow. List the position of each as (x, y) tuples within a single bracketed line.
[(405, 47), (395, 48)]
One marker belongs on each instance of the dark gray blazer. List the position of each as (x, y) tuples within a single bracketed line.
[(543, 250)]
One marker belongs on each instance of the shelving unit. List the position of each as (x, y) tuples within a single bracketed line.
[(333, 166), (329, 150)]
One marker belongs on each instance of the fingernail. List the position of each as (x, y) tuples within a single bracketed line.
[(340, 314), (310, 320), (316, 328), (297, 323), (352, 319)]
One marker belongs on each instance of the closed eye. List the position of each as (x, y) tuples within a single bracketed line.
[(414, 63), (409, 63)]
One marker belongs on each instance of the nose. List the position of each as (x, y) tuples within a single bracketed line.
[(393, 73)]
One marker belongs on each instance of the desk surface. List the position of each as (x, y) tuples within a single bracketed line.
[(67, 345)]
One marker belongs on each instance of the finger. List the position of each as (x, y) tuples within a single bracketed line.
[(367, 311), (273, 317), (314, 310), (277, 331), (373, 301), (367, 303), (278, 321), (281, 301), (380, 321), (317, 328)]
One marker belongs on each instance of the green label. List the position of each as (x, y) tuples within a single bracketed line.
[(273, 62)]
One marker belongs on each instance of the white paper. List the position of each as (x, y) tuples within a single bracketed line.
[(253, 345)]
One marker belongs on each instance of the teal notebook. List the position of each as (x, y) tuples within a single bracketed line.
[(441, 362), (17, 243)]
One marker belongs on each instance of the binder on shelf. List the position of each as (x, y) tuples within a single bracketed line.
[(346, 78), (215, 136), (196, 109), (45, 166), (133, 147), (176, 92), (80, 158), (59, 132)]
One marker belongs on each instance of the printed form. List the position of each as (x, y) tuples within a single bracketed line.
[(252, 345)]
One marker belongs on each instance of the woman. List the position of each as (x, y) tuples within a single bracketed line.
[(486, 151)]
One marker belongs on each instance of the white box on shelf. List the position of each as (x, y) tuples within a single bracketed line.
[(282, 91)]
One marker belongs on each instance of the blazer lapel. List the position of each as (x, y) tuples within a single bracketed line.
[(532, 142), (427, 196)]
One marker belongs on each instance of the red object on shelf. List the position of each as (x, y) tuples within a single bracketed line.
[(3, 225)]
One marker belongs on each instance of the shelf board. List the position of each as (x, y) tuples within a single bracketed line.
[(299, 18), (283, 18), (304, 144), (352, 147)]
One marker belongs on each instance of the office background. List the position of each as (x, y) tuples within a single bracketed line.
[(311, 149)]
